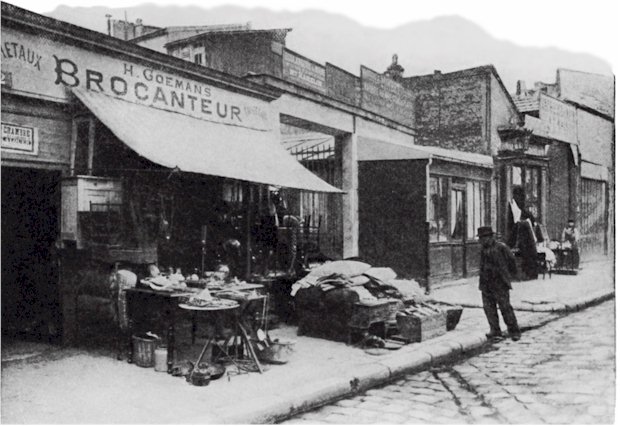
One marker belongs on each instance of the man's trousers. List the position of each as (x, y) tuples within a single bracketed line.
[(491, 300)]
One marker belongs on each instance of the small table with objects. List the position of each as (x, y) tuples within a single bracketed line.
[(144, 303)]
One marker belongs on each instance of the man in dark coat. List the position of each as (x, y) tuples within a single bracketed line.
[(497, 265)]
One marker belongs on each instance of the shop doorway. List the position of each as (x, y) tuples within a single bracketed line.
[(321, 212), (30, 284)]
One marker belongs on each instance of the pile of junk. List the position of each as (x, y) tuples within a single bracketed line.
[(354, 302)]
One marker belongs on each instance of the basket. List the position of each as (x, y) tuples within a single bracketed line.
[(453, 312), (144, 349), (420, 328), (276, 353)]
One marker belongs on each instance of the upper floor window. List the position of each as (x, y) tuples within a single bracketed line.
[(198, 59)]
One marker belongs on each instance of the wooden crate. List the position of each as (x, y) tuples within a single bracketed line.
[(420, 328), (368, 313)]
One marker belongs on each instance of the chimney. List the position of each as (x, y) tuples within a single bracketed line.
[(138, 29), (395, 71), (437, 72), (521, 89)]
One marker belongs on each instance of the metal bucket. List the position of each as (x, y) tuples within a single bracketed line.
[(144, 349)]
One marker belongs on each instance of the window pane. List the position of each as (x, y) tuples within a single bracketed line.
[(456, 222), (471, 212), (478, 212), (516, 176), (438, 209), (485, 206)]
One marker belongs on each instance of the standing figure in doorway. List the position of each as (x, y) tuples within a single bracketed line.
[(570, 234), (497, 265)]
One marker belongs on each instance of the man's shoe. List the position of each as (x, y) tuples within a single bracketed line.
[(515, 337), (494, 335)]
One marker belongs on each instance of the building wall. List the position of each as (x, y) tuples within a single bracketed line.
[(53, 128), (595, 136), (392, 216), (502, 113), (560, 187), (450, 112), (155, 43), (242, 55)]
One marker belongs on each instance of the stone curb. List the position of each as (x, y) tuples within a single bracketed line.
[(572, 306), (361, 377)]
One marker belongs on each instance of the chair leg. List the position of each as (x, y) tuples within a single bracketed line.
[(76, 324)]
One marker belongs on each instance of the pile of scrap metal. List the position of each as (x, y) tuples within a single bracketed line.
[(325, 298)]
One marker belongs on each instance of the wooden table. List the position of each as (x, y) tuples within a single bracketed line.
[(214, 314), (145, 298)]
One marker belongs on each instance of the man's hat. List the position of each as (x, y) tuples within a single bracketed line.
[(485, 231)]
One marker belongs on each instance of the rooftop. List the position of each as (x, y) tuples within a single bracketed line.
[(278, 34), (527, 104)]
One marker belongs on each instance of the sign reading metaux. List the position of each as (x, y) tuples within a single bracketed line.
[(49, 68)]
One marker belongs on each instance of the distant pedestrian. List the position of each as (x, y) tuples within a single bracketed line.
[(570, 236), (497, 265)]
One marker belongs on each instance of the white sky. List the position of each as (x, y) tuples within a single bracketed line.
[(591, 26)]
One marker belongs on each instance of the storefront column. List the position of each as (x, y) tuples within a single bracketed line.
[(350, 216)]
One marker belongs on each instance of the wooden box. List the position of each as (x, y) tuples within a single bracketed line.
[(413, 328), (364, 314)]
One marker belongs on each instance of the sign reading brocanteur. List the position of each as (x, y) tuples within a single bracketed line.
[(49, 69)]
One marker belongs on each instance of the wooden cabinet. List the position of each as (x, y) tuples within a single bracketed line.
[(83, 196)]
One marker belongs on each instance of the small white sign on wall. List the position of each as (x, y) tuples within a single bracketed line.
[(20, 139)]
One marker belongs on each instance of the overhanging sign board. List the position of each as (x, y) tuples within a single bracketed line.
[(303, 71), (559, 119), (386, 97), (20, 139), (50, 69), (342, 85)]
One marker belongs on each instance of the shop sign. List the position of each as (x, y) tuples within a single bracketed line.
[(300, 70), (342, 85), (19, 139), (50, 69), (386, 97)]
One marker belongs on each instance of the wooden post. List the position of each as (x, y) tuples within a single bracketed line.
[(248, 229)]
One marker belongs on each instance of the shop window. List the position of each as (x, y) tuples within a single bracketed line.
[(478, 209), (232, 193), (438, 209)]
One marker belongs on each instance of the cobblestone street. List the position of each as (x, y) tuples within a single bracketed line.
[(563, 372)]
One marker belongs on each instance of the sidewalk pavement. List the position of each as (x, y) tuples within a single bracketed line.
[(45, 384)]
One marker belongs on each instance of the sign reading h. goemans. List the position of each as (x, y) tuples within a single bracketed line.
[(48, 68)]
